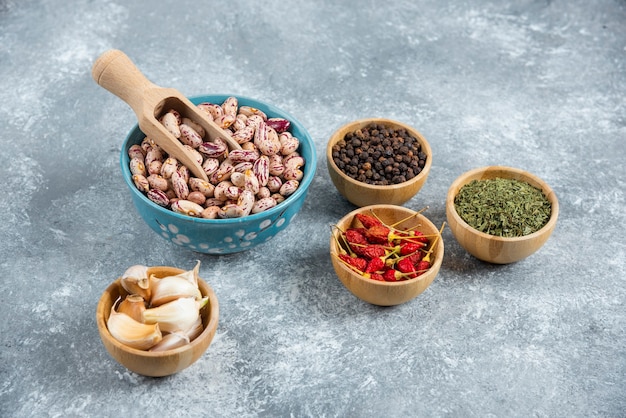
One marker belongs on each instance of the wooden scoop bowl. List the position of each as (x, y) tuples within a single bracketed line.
[(114, 71)]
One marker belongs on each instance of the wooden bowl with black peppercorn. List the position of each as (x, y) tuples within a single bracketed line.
[(510, 215), (378, 161)]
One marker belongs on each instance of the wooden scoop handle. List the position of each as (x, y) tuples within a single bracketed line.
[(115, 72)]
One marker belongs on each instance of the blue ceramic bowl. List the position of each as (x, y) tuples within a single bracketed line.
[(224, 236)]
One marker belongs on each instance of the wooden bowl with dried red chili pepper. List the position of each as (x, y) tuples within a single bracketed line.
[(378, 161), (386, 254), (508, 213)]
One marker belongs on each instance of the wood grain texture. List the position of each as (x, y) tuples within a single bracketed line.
[(490, 248), (363, 194), (164, 363), (387, 293), (115, 72)]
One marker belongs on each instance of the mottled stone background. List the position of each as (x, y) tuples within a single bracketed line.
[(537, 85)]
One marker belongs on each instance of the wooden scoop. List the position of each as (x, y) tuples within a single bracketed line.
[(114, 71)]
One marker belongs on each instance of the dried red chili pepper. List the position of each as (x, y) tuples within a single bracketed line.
[(406, 266), (356, 236), (374, 265), (356, 262), (377, 276), (378, 234), (368, 221), (373, 251), (422, 267), (410, 248)]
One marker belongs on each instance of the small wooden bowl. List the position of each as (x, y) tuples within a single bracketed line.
[(157, 364), (490, 248), (363, 194), (387, 293)]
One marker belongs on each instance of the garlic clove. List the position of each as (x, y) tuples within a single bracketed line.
[(135, 281), (177, 315), (191, 275), (170, 342), (133, 333), (133, 306), (195, 330), (170, 288)]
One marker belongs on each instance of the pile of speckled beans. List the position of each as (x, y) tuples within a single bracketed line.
[(263, 173)]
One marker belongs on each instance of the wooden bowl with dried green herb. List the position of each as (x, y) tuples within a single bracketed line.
[(501, 214)]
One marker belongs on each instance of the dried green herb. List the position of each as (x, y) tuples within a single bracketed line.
[(503, 207)]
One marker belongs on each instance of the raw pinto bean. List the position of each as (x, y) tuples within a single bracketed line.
[(292, 173), (169, 167), (223, 172), (220, 190), (274, 183), (263, 193), (289, 187), (179, 184), (251, 182), (261, 169), (187, 207), (212, 201), (238, 179), (249, 146), (212, 110), (189, 136), (146, 144), (159, 197), (155, 153), (245, 134), (243, 156), (225, 121), (240, 122), (135, 151), (155, 167), (137, 167), (196, 197), (232, 192), (230, 105), (276, 166), (171, 121), (210, 166), (213, 149), (246, 202), (141, 182), (198, 185), (242, 167), (210, 212), (263, 204), (280, 125), (184, 172), (252, 111), (288, 143), (157, 181), (254, 120), (195, 126), (279, 198)]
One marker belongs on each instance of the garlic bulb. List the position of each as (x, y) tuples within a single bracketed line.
[(178, 315), (170, 342), (133, 333), (170, 288), (135, 281), (133, 306)]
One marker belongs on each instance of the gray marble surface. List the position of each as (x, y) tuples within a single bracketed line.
[(532, 84)]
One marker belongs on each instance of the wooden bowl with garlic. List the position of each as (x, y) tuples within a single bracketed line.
[(157, 321)]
